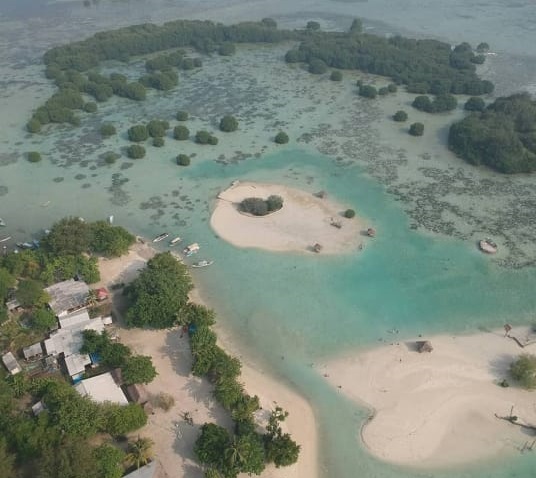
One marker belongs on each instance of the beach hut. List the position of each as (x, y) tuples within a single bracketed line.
[(424, 346)]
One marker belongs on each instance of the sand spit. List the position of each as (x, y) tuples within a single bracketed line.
[(438, 409), (304, 220), (174, 437)]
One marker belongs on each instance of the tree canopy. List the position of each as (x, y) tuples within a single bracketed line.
[(160, 292), (524, 370), (501, 137)]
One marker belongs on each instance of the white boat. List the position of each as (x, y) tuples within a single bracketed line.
[(5, 239), (488, 246), (191, 249), (2, 222), (161, 237), (203, 263), (175, 241), (111, 219)]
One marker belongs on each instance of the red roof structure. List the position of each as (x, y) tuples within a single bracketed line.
[(102, 293)]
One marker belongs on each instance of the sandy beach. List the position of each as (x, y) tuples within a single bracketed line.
[(303, 221), (173, 436), (438, 409)]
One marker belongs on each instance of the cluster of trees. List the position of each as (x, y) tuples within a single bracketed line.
[(159, 298), (204, 137), (246, 450), (58, 442), (159, 294), (134, 368), (73, 236), (176, 59), (502, 136), (424, 66), (160, 80), (261, 207), (228, 124), (440, 104)]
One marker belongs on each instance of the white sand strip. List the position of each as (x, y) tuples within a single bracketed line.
[(437, 409), (303, 221)]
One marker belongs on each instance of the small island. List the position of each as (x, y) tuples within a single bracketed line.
[(303, 220)]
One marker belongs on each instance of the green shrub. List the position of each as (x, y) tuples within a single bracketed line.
[(392, 88), (90, 107), (317, 66), (368, 91), (110, 157), (157, 128), (138, 133), (107, 129), (416, 129), (33, 126), (400, 116), (281, 138), (213, 140), (158, 142), (204, 137), (336, 75), (183, 160), (136, 151), (261, 207), (524, 370), (34, 157), (228, 124), (475, 104), (383, 91), (349, 213), (182, 115), (181, 133)]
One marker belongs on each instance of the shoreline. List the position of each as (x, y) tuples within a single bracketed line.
[(438, 409), (170, 352), (304, 220)]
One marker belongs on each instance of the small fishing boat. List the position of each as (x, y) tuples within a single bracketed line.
[(191, 249), (161, 237), (371, 232), (175, 241), (2, 222), (111, 219), (488, 246), (202, 263), (25, 245), (5, 239)]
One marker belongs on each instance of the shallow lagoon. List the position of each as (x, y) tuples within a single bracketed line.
[(422, 274)]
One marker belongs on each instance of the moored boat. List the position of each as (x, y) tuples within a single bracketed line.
[(175, 241), (202, 263), (161, 237), (488, 246), (191, 249), (2, 222)]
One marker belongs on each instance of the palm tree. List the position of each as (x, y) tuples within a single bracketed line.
[(139, 452)]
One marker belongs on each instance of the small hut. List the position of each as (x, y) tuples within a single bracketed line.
[(424, 346), (371, 232), (317, 247)]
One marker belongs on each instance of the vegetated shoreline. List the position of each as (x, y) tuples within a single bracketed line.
[(303, 221), (438, 409), (172, 359)]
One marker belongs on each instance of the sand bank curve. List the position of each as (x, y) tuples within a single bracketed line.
[(437, 409), (303, 221)]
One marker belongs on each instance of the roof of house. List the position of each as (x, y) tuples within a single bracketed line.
[(32, 350), (11, 363), (69, 340), (72, 320), (67, 295), (76, 364), (137, 393), (102, 388), (147, 471)]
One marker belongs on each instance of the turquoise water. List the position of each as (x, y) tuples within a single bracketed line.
[(294, 310)]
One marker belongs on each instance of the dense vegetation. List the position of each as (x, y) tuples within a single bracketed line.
[(416, 129), (261, 207), (524, 370), (183, 160), (502, 137), (159, 293), (400, 116), (281, 138), (204, 137), (424, 66), (228, 124), (440, 104), (136, 151)]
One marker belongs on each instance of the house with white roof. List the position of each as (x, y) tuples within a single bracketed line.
[(11, 363), (102, 388)]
